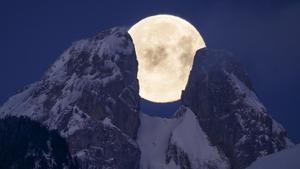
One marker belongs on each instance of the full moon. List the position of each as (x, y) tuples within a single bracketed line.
[(165, 46)]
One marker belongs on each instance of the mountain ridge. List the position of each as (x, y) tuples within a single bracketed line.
[(91, 96), (221, 95), (92, 84)]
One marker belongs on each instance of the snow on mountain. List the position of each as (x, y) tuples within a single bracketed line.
[(188, 138), (153, 138), (90, 95), (160, 140), (222, 97), (289, 159)]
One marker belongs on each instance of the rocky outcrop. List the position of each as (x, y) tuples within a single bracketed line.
[(179, 157), (220, 93), (90, 95)]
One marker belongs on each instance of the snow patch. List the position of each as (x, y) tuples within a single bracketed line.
[(153, 139), (107, 122), (288, 158), (184, 131), (190, 138)]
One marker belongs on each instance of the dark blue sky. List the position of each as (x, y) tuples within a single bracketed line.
[(265, 35)]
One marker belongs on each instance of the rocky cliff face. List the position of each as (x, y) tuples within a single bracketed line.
[(90, 95), (220, 93)]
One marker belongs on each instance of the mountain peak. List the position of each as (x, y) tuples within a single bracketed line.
[(92, 83), (220, 93), (85, 55), (90, 95)]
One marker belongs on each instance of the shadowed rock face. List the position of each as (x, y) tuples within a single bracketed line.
[(180, 158), (26, 143), (90, 95), (219, 92)]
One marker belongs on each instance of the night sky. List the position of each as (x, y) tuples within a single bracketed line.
[(264, 35)]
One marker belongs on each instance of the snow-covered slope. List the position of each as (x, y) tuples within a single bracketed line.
[(189, 141), (285, 159), (153, 138), (90, 95), (163, 143)]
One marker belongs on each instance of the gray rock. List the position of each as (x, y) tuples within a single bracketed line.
[(178, 156), (90, 95), (221, 95)]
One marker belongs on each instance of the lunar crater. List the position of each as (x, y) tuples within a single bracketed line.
[(165, 46)]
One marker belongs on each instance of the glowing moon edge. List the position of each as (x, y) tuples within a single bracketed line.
[(165, 47)]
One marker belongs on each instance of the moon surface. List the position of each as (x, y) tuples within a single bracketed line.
[(165, 46)]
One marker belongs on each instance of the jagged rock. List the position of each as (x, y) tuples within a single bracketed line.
[(220, 93), (90, 95)]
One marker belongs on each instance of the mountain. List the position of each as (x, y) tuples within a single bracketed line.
[(90, 95), (177, 143), (222, 97), (284, 159), (27, 144)]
